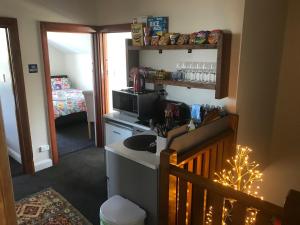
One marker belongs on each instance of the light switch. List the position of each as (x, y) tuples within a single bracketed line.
[(44, 148)]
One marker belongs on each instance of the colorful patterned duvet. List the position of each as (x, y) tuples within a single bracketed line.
[(68, 101)]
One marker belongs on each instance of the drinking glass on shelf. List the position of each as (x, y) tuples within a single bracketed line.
[(179, 70), (178, 66), (198, 75), (204, 73), (183, 69), (208, 70), (189, 71), (213, 72), (194, 71)]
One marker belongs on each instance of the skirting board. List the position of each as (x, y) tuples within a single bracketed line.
[(43, 164), (15, 155)]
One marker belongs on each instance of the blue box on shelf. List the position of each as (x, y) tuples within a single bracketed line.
[(159, 25)]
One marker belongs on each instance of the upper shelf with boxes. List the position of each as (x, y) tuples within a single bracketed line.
[(154, 35)]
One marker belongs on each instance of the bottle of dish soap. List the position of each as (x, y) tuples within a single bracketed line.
[(191, 126)]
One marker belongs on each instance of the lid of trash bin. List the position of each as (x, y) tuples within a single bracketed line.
[(121, 211)]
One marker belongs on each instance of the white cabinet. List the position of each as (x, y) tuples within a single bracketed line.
[(115, 132)]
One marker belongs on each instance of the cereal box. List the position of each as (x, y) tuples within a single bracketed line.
[(137, 34), (159, 25)]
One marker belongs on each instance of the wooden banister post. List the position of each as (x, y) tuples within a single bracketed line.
[(167, 211)]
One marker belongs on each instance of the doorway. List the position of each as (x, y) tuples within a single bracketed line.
[(96, 97), (8, 109), (13, 104), (72, 87), (98, 34), (116, 63)]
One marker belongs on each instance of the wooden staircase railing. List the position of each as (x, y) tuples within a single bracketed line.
[(181, 201), (187, 189), (266, 211)]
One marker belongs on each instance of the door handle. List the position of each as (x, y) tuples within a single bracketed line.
[(4, 78)]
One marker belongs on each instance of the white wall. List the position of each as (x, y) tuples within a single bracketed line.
[(77, 65), (7, 101), (79, 68), (57, 61), (283, 172), (71, 54), (29, 13), (262, 43)]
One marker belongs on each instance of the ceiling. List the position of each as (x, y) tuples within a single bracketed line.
[(70, 42)]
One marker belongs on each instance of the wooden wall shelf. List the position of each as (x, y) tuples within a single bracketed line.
[(223, 48), (174, 47), (187, 84)]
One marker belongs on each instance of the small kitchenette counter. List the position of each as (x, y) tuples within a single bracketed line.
[(133, 175), (148, 159), (130, 173)]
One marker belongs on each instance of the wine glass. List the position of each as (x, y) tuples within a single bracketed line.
[(213, 72), (189, 71), (183, 69), (197, 74), (204, 73)]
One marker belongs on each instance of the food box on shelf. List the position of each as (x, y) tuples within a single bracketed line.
[(137, 34), (159, 25)]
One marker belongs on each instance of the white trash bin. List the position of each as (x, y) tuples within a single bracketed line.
[(120, 211)]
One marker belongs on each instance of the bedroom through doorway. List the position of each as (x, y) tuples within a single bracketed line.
[(72, 88)]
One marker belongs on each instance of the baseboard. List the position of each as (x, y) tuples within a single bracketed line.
[(41, 165), (15, 155)]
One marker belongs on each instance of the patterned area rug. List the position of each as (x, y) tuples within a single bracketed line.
[(48, 208)]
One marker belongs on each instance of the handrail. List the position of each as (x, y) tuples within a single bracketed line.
[(241, 197), (183, 157)]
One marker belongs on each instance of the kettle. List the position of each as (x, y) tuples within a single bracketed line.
[(138, 83)]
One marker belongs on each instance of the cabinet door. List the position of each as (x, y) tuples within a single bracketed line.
[(135, 182), (116, 133)]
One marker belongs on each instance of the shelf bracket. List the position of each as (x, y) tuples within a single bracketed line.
[(189, 50), (160, 51)]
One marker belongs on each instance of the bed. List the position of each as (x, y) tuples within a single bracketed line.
[(66, 100)]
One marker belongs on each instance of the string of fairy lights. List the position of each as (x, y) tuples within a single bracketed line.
[(242, 176)]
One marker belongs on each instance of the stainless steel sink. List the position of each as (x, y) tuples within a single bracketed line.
[(142, 142)]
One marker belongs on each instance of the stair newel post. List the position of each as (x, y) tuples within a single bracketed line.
[(167, 188)]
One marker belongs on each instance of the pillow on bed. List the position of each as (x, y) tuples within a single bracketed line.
[(60, 83)]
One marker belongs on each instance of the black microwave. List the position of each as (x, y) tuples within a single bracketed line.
[(136, 104)]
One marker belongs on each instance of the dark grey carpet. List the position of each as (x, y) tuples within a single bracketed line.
[(16, 168), (79, 177), (73, 137)]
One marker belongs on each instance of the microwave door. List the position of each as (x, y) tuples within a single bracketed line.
[(124, 102)]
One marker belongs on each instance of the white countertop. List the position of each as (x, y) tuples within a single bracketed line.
[(124, 118), (145, 158)]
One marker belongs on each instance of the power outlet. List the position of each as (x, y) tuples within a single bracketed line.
[(44, 148)]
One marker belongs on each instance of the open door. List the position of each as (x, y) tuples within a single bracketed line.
[(108, 50), (13, 94), (7, 205)]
